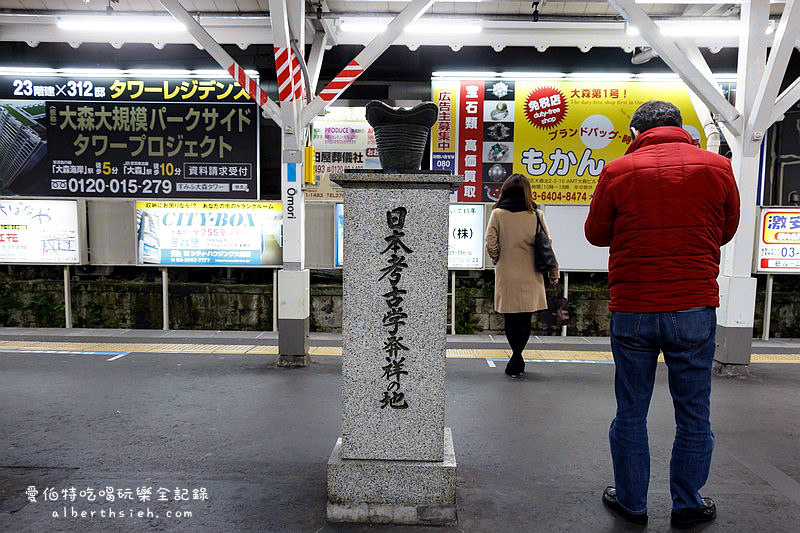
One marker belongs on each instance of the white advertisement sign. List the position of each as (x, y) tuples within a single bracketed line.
[(39, 231), (465, 239), (779, 240), (339, 213), (464, 247), (343, 140), (209, 233)]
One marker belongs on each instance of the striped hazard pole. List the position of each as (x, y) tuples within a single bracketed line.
[(289, 73), (297, 77), (341, 82), (224, 59), (248, 84), (365, 58)]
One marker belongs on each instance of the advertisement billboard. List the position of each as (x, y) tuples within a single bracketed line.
[(339, 238), (209, 233), (39, 231), (779, 241), (128, 138), (464, 244), (558, 132), (343, 140), (465, 237)]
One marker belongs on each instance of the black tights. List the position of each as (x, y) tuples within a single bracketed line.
[(518, 331)]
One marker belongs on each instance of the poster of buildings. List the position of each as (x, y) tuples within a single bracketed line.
[(127, 138)]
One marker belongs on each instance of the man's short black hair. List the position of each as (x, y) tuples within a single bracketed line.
[(654, 114)]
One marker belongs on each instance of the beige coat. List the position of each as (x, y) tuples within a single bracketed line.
[(518, 286)]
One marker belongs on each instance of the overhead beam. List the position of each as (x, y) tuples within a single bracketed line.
[(224, 59), (680, 64), (315, 58), (786, 100), (696, 57), (364, 59), (782, 47)]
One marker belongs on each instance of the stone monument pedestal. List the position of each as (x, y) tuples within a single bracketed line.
[(393, 492), (395, 461)]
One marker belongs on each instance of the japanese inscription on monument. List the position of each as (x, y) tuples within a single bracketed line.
[(395, 317)]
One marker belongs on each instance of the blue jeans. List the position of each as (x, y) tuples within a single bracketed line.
[(687, 340)]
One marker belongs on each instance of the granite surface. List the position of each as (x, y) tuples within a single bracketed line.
[(371, 429), (405, 483), (429, 179)]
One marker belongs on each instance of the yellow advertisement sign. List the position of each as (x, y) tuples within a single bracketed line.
[(558, 132)]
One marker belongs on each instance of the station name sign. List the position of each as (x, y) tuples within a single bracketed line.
[(128, 138)]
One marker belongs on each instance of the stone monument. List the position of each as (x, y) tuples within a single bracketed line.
[(395, 461)]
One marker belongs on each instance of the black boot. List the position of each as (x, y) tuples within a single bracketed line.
[(515, 366)]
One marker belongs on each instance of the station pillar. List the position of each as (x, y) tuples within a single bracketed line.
[(737, 285)]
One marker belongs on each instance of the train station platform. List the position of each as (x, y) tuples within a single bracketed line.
[(125, 341), (210, 413)]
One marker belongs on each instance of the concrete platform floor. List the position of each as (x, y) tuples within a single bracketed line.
[(532, 454)]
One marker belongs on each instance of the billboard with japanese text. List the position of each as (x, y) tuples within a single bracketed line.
[(39, 231), (560, 133), (343, 140), (209, 233), (779, 240), (128, 138)]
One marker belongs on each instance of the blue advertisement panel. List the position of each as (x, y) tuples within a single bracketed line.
[(209, 233)]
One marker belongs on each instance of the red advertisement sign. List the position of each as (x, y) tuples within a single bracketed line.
[(470, 137)]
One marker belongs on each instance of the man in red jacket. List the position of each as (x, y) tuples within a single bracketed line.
[(664, 208)]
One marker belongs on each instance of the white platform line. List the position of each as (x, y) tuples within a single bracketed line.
[(117, 356), (490, 363)]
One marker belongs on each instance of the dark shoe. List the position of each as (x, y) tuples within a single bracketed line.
[(611, 503), (515, 366), (688, 518)]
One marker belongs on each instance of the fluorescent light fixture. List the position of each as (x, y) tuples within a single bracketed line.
[(693, 28), (485, 74), (427, 26), (118, 73), (657, 76), (602, 75), (533, 75), (443, 27), (219, 73), (120, 23), (92, 72), (465, 74), (363, 26)]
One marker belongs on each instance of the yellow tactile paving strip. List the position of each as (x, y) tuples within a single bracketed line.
[(251, 349)]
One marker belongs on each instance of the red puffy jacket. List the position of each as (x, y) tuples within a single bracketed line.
[(665, 208)]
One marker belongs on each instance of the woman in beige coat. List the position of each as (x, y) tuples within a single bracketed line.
[(519, 289)]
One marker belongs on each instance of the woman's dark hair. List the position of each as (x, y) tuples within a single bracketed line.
[(654, 114), (517, 187)]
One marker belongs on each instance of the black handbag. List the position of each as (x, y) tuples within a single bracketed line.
[(543, 255)]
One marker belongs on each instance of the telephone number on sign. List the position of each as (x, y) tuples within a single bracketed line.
[(112, 185), (561, 196)]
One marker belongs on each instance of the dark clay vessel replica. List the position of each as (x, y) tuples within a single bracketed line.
[(401, 133)]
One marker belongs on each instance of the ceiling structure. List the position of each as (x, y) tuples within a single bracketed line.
[(583, 24)]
